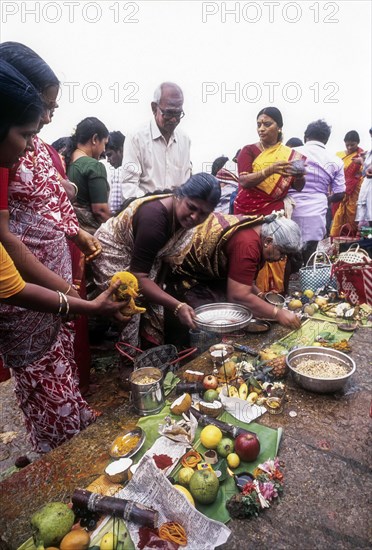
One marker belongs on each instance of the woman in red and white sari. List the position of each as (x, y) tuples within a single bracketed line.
[(38, 347)]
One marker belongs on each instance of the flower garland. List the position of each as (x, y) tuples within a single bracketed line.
[(256, 495)]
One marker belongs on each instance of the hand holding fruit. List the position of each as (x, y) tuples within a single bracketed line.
[(288, 319)]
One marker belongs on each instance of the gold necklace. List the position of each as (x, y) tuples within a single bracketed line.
[(81, 151), (263, 147)]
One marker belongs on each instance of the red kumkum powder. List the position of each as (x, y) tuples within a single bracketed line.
[(162, 461), (149, 538)]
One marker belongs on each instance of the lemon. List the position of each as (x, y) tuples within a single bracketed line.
[(309, 293), (108, 542), (210, 436), (185, 492), (184, 475), (233, 460), (294, 304)]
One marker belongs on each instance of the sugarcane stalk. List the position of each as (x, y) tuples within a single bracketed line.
[(117, 507)]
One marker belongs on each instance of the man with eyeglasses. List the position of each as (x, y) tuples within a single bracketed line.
[(157, 156)]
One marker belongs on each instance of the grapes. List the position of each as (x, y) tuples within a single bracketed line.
[(87, 518), (92, 523)]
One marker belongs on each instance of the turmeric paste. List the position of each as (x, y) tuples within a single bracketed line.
[(127, 291)]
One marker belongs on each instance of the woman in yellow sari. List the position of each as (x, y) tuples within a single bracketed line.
[(344, 212), (267, 170)]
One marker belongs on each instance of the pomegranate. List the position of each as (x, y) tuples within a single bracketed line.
[(210, 382), (247, 447)]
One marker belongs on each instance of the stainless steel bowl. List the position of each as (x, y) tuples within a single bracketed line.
[(319, 385), (222, 317), (274, 299)]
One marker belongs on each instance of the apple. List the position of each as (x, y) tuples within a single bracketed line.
[(247, 447), (210, 382)]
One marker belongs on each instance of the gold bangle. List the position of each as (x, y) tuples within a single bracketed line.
[(276, 311), (69, 288), (60, 302), (175, 312)]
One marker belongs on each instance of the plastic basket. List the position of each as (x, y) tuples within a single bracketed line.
[(354, 255), (316, 275), (354, 281)]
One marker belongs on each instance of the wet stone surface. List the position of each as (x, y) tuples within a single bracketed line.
[(325, 448)]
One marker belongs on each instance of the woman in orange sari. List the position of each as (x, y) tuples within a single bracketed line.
[(344, 212), (267, 170)]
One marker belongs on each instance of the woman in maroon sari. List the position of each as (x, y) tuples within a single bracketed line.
[(267, 169), (344, 212), (82, 353)]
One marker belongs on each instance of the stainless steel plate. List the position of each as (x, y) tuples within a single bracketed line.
[(115, 447), (222, 317)]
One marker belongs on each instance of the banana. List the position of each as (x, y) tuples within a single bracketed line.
[(233, 392), (243, 391), (252, 397)]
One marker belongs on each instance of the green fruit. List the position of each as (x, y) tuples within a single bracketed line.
[(204, 486), (309, 309), (184, 476), (210, 396), (225, 447), (51, 523)]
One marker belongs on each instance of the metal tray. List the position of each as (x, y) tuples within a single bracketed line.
[(222, 317), (137, 431)]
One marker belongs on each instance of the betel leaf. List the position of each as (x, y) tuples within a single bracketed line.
[(325, 335)]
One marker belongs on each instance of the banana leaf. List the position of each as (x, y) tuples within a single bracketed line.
[(310, 331), (269, 441)]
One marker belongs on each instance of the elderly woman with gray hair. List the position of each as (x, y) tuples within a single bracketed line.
[(225, 257)]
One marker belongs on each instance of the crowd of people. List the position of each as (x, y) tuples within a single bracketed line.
[(99, 202)]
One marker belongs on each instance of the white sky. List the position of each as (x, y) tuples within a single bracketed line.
[(310, 59)]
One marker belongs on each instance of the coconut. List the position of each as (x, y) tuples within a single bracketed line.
[(117, 471), (181, 404), (211, 409), (193, 376)]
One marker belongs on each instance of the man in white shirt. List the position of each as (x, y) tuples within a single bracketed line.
[(114, 157), (157, 156), (324, 184)]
